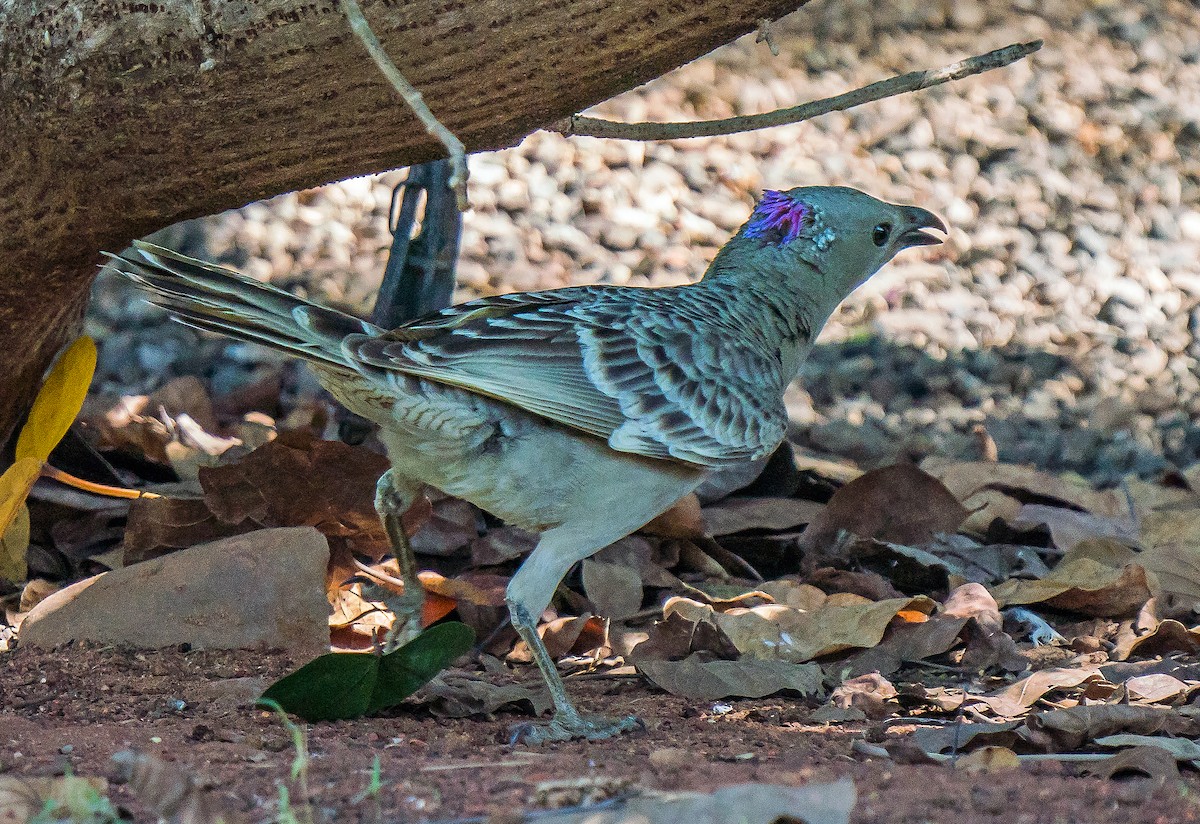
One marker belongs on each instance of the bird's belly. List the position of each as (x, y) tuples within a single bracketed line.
[(530, 472)]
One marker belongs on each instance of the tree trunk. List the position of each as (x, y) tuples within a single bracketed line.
[(116, 120)]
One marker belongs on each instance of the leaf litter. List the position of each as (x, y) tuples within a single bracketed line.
[(885, 598)]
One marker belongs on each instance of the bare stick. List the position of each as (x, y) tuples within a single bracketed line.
[(913, 81), (454, 146)]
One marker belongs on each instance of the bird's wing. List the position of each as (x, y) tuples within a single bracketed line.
[(654, 374)]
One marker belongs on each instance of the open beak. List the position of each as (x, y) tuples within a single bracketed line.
[(918, 220)]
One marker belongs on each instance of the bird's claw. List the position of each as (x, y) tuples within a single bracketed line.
[(590, 727)]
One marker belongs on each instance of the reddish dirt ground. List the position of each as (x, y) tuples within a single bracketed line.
[(74, 708)]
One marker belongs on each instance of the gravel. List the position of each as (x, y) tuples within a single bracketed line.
[(1060, 314)]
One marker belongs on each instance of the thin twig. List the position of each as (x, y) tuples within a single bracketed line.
[(913, 81), (377, 574), (1025, 758), (764, 36), (454, 146)]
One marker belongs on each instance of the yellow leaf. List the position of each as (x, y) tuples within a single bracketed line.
[(15, 484), (59, 401), (989, 760), (13, 544)]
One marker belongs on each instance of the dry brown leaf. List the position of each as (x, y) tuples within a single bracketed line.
[(175, 425), (675, 638), (969, 610), (1171, 538), (776, 632), (459, 695), (1181, 749), (66, 798), (1069, 527), (967, 479), (453, 524), (478, 588), (1168, 637), (1148, 497), (158, 526), (1069, 729), (734, 515), (1152, 762), (651, 558), (986, 506), (911, 569), (500, 545), (1082, 584), (702, 679), (615, 589), (294, 480), (1157, 688), (754, 803), (33, 593), (724, 603), (869, 585), (566, 636), (1104, 551), (872, 694), (909, 643), (965, 737), (899, 504), (297, 480), (794, 594), (838, 471), (169, 791), (683, 520), (1016, 699), (988, 645), (356, 623), (90, 534), (695, 559)]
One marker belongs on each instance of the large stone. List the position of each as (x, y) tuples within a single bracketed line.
[(261, 589)]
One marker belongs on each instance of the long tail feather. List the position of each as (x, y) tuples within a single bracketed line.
[(211, 297)]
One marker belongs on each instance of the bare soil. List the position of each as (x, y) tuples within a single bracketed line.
[(74, 708)]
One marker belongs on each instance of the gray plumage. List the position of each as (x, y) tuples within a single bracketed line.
[(581, 412)]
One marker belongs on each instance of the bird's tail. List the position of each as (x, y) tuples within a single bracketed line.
[(211, 297)]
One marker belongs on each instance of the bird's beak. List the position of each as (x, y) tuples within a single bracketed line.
[(919, 219)]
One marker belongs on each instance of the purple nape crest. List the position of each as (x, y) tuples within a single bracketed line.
[(778, 218)]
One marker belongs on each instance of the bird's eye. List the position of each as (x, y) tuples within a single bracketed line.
[(881, 233)]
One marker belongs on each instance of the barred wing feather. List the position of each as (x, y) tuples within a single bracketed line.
[(654, 373)]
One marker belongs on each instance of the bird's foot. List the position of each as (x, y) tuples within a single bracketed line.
[(569, 726), (407, 623)]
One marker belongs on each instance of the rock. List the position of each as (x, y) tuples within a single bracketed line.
[(263, 588)]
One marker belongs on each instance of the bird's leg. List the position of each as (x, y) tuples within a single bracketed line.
[(391, 504), (529, 593), (568, 722)]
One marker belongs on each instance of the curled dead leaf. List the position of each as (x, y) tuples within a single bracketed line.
[(898, 504), (170, 791)]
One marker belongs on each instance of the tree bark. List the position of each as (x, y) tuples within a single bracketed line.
[(118, 119)]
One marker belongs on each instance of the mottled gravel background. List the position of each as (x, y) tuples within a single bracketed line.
[(1061, 314)]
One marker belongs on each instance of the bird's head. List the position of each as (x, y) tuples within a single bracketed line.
[(825, 240)]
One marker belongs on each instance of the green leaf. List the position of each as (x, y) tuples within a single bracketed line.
[(352, 684), (59, 400), (329, 688), (404, 671)]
